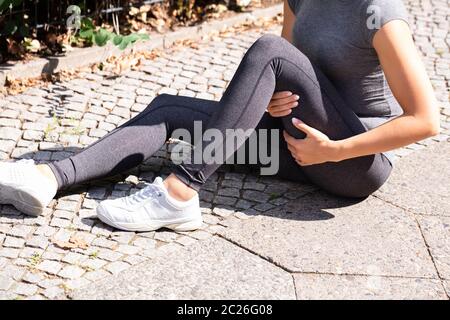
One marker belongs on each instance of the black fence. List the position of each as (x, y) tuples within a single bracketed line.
[(39, 14)]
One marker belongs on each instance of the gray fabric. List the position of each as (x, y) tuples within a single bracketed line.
[(271, 64), (337, 37)]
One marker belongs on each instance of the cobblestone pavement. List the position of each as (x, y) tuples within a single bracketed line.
[(68, 248)]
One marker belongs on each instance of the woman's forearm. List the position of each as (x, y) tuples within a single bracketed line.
[(394, 134)]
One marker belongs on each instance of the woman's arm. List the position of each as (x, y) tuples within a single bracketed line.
[(411, 87), (288, 22)]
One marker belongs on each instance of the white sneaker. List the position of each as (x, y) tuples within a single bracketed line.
[(150, 209), (25, 187)]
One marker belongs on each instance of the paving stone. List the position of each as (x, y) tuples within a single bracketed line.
[(74, 258), (223, 212), (127, 249), (226, 201), (405, 187), (53, 292), (6, 282), (96, 275), (165, 236), (371, 233), (51, 267), (93, 263), (200, 235), (49, 283), (12, 242), (319, 287), (60, 223), (214, 269), (71, 272), (436, 231), (33, 253), (116, 267), (229, 192), (75, 284), (123, 237), (255, 196), (254, 186), (98, 105), (104, 243), (216, 229), (100, 229), (7, 133), (186, 241), (45, 231), (9, 253), (25, 289), (20, 231), (210, 219), (38, 242), (134, 260), (32, 277), (109, 255)]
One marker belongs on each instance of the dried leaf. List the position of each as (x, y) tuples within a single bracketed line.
[(74, 242)]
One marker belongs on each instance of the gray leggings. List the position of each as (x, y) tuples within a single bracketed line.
[(271, 64)]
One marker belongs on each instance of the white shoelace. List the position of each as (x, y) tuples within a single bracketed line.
[(151, 191)]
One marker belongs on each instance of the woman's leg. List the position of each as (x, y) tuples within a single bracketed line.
[(138, 139), (273, 64)]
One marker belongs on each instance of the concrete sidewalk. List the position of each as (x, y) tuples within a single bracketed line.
[(262, 237), (316, 247)]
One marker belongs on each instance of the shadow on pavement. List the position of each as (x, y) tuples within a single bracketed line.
[(304, 204)]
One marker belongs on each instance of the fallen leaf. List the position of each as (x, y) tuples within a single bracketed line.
[(74, 242)]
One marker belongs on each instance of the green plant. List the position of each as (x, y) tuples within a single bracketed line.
[(93, 255), (12, 25), (274, 196), (100, 36), (35, 259)]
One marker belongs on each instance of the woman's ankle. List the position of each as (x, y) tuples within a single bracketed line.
[(178, 189), (48, 173)]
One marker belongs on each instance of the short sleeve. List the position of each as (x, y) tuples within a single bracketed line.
[(380, 12), (294, 5)]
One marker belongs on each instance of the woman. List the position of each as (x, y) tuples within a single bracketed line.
[(344, 83)]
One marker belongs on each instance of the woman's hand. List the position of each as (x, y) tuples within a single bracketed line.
[(281, 104), (314, 149)]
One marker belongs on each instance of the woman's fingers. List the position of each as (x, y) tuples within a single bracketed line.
[(281, 104), (283, 107), (281, 113), (281, 94), (283, 100)]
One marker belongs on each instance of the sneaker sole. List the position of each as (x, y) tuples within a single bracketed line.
[(31, 205), (150, 226)]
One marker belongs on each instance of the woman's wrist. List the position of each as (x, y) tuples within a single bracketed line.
[(337, 150)]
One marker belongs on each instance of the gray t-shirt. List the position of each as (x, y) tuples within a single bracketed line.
[(336, 35)]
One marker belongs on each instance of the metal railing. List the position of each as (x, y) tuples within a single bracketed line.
[(43, 13)]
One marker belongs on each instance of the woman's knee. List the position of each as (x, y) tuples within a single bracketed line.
[(357, 179), (160, 100), (270, 41), (267, 46)]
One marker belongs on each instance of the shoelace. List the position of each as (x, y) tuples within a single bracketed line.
[(148, 192)]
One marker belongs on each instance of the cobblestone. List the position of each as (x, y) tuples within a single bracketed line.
[(99, 105), (51, 267)]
